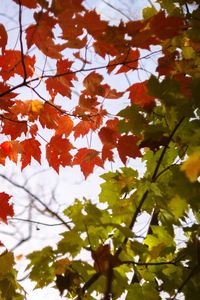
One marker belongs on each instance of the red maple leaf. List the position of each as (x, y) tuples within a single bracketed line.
[(6, 102), (57, 152), (10, 149), (128, 61), (65, 126), (139, 95), (92, 83), (166, 27), (6, 209), (62, 83), (82, 128), (27, 3), (42, 35), (30, 148), (89, 19), (127, 147), (3, 37), (10, 64), (50, 116), (13, 127), (87, 159)]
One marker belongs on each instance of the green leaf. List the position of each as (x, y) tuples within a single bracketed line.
[(6, 262), (145, 291), (71, 243), (41, 263), (178, 206)]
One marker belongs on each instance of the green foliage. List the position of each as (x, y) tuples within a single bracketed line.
[(107, 252)]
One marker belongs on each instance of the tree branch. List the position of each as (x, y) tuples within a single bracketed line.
[(51, 212)]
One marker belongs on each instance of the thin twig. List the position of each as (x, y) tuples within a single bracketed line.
[(21, 41), (37, 199)]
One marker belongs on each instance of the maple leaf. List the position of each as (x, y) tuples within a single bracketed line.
[(81, 129), (92, 83), (11, 150), (10, 64), (42, 35), (107, 154), (6, 209), (50, 116), (129, 61), (57, 152), (110, 93), (30, 108), (65, 126), (13, 127), (6, 102), (127, 146), (3, 37), (142, 36), (27, 3), (30, 148), (169, 26), (76, 43), (61, 84), (139, 95), (108, 137), (87, 159), (89, 121), (89, 19), (191, 166)]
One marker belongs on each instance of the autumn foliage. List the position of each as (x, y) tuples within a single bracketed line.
[(157, 121)]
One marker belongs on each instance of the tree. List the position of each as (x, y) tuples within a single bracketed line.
[(159, 125)]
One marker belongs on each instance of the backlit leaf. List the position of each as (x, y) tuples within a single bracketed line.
[(87, 159), (6, 209), (192, 166), (58, 152)]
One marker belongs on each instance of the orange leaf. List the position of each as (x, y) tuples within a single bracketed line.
[(11, 150), (57, 152), (139, 95), (10, 64), (81, 129), (61, 84), (3, 37), (6, 209), (92, 22), (14, 127), (42, 35), (6, 102), (108, 137), (65, 126), (49, 116), (87, 159), (30, 108), (110, 93), (92, 83), (31, 148), (107, 153), (128, 61), (127, 146)]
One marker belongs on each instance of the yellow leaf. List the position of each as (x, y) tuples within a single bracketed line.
[(178, 205), (192, 166), (36, 106)]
